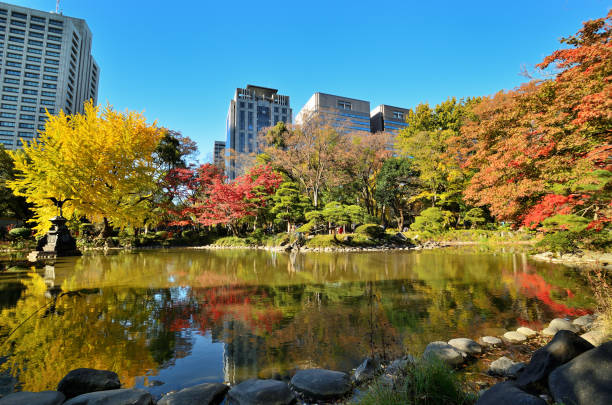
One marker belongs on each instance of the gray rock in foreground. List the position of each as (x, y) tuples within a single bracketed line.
[(558, 324), (505, 367), (515, 337), (34, 398), (466, 345), (507, 393), (113, 397), (84, 380), (400, 365), (202, 394), (587, 379), (490, 341), (366, 371), (320, 384), (584, 322), (595, 337), (444, 352), (260, 392), (562, 348)]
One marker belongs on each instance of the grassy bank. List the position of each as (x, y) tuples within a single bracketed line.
[(475, 235), (425, 382)]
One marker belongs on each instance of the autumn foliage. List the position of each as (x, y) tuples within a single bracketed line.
[(544, 149)]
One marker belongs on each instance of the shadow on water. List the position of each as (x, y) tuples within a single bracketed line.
[(168, 319)]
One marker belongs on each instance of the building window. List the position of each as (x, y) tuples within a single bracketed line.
[(9, 98), (15, 47), (50, 69), (26, 117), (34, 50), (37, 27), (33, 58), (250, 126), (398, 115), (9, 106), (12, 81), (32, 75), (55, 30), (49, 86), (16, 14), (36, 34), (52, 53), (54, 38), (30, 83), (250, 106), (7, 115), (28, 100), (47, 93), (344, 105), (241, 119), (38, 19), (56, 23), (26, 125), (16, 31), (28, 108), (54, 46), (52, 61), (30, 91), (49, 77), (12, 72), (14, 55), (32, 67), (13, 64), (6, 124), (26, 134), (47, 102), (44, 110), (35, 42), (10, 89), (241, 104)]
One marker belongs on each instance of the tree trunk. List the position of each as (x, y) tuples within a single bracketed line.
[(106, 228), (400, 222)]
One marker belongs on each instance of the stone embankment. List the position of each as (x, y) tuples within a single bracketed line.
[(575, 367), (599, 259)]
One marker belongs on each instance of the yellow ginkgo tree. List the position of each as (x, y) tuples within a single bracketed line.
[(103, 160)]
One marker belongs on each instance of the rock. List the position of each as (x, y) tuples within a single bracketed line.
[(558, 324), (562, 348), (34, 398), (526, 331), (84, 380), (507, 393), (399, 365), (444, 352), (202, 394), (549, 331), (505, 367), (365, 371), (514, 337), (584, 322), (113, 397), (595, 337), (587, 379), (490, 341), (260, 392), (320, 384), (466, 345)]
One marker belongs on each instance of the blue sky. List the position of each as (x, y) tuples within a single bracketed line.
[(181, 61)]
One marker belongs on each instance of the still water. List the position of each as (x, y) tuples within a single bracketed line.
[(168, 319)]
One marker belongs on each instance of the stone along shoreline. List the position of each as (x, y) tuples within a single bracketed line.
[(574, 367)]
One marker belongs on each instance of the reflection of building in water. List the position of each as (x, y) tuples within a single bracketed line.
[(241, 351)]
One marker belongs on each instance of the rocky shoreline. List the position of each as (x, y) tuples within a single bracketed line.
[(575, 366)]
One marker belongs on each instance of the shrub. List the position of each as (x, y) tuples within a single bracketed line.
[(559, 242), (432, 220), (372, 230), (426, 382), (20, 233), (189, 234)]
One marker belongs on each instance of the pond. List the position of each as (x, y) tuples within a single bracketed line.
[(168, 319)]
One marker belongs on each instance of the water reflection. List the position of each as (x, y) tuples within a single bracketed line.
[(183, 317)]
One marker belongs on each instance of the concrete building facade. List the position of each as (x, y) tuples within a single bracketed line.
[(388, 118), (46, 66), (349, 113), (250, 111), (219, 154)]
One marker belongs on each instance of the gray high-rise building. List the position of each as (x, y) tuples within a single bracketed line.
[(219, 154), (251, 110), (348, 113), (46, 66), (388, 118)]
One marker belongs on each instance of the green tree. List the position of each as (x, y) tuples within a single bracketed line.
[(475, 217), (432, 220), (289, 204), (396, 185)]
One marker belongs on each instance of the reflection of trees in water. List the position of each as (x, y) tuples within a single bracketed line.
[(273, 312)]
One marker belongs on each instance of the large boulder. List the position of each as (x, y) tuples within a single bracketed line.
[(467, 346), (507, 393), (528, 332), (444, 352), (202, 394), (587, 379), (595, 337), (320, 384), (34, 398), (562, 348), (366, 371), (113, 397), (505, 367), (260, 392), (84, 380)]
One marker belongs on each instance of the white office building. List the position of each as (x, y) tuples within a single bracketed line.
[(46, 66)]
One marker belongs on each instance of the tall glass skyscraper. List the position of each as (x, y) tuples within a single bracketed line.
[(251, 110), (46, 66), (344, 112)]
